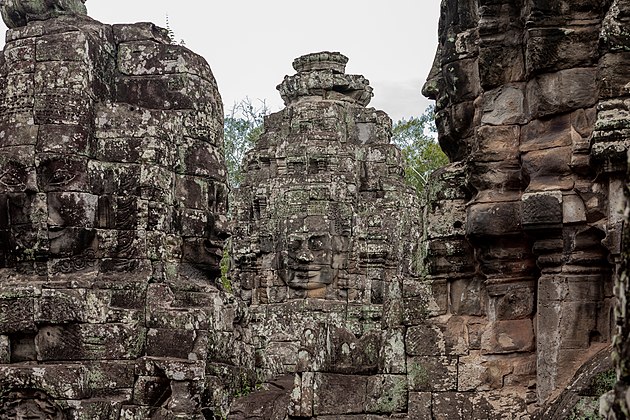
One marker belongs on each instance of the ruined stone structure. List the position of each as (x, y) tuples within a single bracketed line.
[(530, 104), (319, 257), (112, 223), (348, 298)]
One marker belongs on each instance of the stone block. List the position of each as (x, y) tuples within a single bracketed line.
[(500, 65), (175, 343), (497, 143), (432, 373), (508, 337), (423, 340), (496, 181), (107, 378), (386, 394), (615, 74), (445, 256), (542, 210), (547, 133), (504, 106), (515, 300), (58, 306), (59, 381), (453, 406), (420, 405), (447, 219), (462, 79), (142, 31), (16, 315), (65, 46), (89, 342), (494, 219), (393, 351), (467, 296), (301, 404), (548, 169), (573, 209), (151, 391), (562, 91), (99, 408), (351, 355), (435, 338), (553, 48), (339, 394), (578, 324)]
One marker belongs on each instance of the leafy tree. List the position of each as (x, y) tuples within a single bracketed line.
[(416, 137), (243, 126)]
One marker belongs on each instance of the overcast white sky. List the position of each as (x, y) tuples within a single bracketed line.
[(250, 44)]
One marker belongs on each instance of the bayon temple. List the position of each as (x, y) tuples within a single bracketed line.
[(499, 292)]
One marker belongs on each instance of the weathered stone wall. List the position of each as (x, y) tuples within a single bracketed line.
[(112, 222), (530, 98), (492, 300)]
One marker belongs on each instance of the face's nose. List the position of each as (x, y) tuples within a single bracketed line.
[(304, 256), (431, 86)]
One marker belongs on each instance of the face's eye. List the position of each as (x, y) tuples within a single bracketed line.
[(13, 175), (295, 244), (11, 179), (316, 243), (60, 176)]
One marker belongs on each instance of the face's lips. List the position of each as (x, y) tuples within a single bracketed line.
[(55, 232), (307, 267)]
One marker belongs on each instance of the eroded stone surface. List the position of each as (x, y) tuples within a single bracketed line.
[(531, 105), (17, 13), (112, 223), (324, 244)]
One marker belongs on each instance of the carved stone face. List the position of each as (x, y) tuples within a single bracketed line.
[(455, 86), (105, 184), (313, 260)]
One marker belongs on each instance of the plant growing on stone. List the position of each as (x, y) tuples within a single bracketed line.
[(243, 125), (416, 137), (171, 34)]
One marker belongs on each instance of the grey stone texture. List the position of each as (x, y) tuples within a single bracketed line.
[(113, 204), (326, 235)]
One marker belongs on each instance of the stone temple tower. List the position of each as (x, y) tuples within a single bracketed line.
[(112, 220), (324, 234)]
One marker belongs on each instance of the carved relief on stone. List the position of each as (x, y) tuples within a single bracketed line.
[(325, 225), (29, 404), (113, 204), (529, 99)]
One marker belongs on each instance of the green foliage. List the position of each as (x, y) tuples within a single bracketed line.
[(422, 155), (243, 125), (604, 382), (225, 268), (587, 408)]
